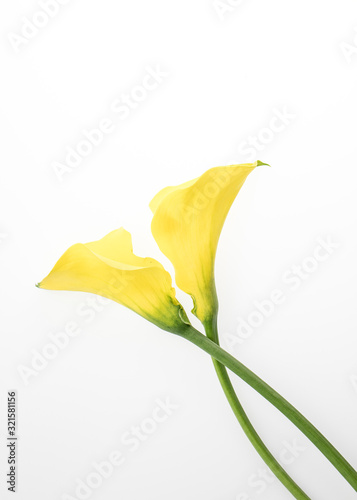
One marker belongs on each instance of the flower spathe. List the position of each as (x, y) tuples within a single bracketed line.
[(186, 225), (108, 267)]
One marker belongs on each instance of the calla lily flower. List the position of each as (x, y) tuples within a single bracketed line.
[(186, 225), (108, 267)]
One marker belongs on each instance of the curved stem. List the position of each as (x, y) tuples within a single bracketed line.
[(251, 433), (310, 431)]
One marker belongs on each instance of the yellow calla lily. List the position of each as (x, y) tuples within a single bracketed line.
[(186, 225), (108, 267)]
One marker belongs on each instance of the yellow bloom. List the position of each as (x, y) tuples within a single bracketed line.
[(109, 268), (187, 223)]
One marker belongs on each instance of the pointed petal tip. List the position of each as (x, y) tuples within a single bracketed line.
[(260, 163)]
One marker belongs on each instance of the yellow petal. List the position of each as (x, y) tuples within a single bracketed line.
[(187, 223), (109, 268)]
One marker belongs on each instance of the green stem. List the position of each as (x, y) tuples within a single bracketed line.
[(315, 436), (251, 433)]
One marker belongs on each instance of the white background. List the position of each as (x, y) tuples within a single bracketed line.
[(227, 76)]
